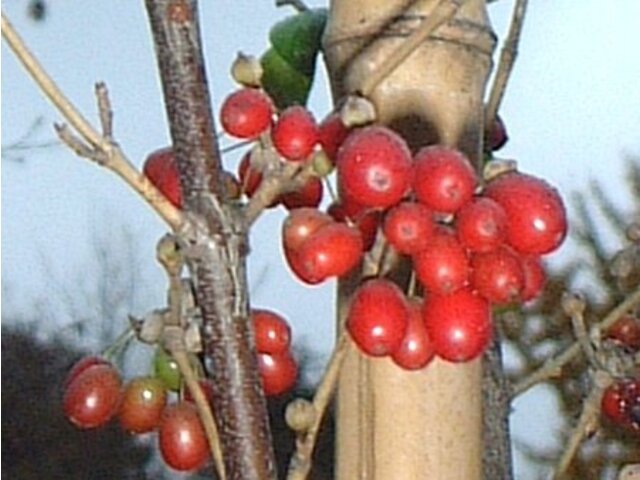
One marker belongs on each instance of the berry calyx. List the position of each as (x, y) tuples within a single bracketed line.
[(92, 398), (374, 166), (279, 372), (181, 438), (143, 401), (246, 113), (459, 325), (443, 178), (536, 217), (378, 317), (161, 169), (295, 133), (409, 227), (271, 332)]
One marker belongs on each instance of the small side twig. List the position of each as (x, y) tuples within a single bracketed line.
[(552, 367), (507, 59)]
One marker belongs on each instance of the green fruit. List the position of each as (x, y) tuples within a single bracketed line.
[(297, 39), (166, 369), (285, 85)]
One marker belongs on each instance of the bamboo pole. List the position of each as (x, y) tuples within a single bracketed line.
[(393, 423)]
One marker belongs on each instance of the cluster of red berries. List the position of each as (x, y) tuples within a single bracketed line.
[(94, 394), (621, 400)]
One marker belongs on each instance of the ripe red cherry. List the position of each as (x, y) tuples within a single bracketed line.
[(481, 225), (332, 251), (621, 403), (459, 325), (498, 276), (181, 438), (534, 277), (409, 227), (416, 350), (443, 178), (279, 372), (374, 166), (332, 133), (626, 332), (81, 365), (378, 317), (271, 331), (142, 404), (300, 225), (161, 169), (91, 399), (536, 217), (443, 266), (295, 133), (309, 195), (246, 113)]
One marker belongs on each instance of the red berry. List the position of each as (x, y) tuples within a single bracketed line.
[(443, 178), (374, 166), (378, 317), (621, 403), (246, 113), (481, 225), (279, 372), (161, 169), (142, 404), (81, 365), (332, 133), (367, 221), (416, 350), (271, 331), (309, 195), (300, 225), (91, 399), (443, 266), (332, 251), (534, 277), (497, 136), (626, 332), (536, 217), (295, 133), (409, 227), (459, 325), (181, 438), (498, 276)]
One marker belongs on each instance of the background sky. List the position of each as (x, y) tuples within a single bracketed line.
[(572, 109)]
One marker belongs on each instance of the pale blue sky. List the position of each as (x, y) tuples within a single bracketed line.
[(572, 110)]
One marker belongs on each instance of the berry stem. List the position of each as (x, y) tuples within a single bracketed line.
[(551, 368)]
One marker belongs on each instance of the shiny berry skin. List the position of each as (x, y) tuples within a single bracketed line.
[(143, 402), (166, 369), (271, 332), (81, 365), (332, 133), (409, 227), (300, 224), (92, 398), (181, 438), (249, 177), (498, 276), (279, 372), (626, 333), (295, 133), (534, 277), (309, 195), (443, 266), (378, 317), (443, 178), (161, 169), (481, 225), (374, 166), (621, 404), (416, 350), (459, 325), (246, 113), (366, 220), (536, 217), (332, 251)]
